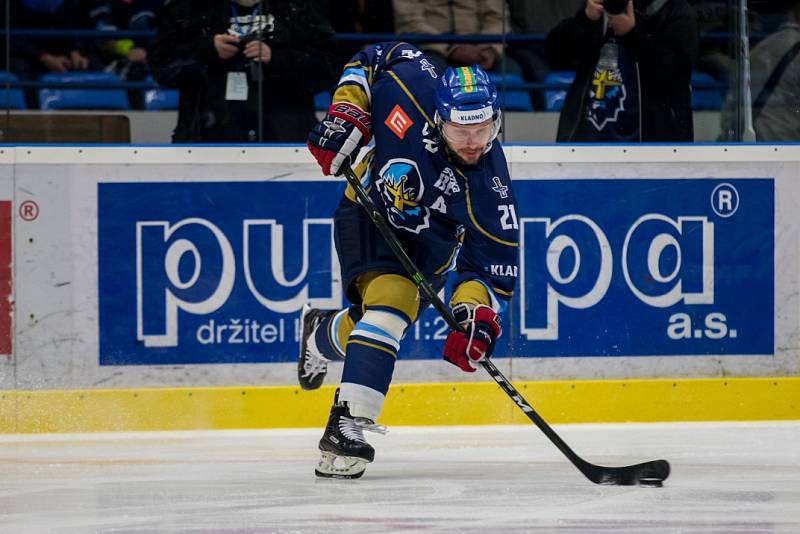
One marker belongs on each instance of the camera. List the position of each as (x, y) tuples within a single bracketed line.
[(615, 7), (243, 41)]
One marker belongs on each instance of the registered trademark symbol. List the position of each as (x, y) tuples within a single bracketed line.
[(725, 200), (29, 210)]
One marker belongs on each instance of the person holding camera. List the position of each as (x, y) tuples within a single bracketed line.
[(633, 64), (247, 70)]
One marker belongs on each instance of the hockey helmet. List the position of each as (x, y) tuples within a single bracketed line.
[(466, 95)]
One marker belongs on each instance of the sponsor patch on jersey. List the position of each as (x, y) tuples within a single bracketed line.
[(503, 270), (401, 187), (398, 121), (447, 182)]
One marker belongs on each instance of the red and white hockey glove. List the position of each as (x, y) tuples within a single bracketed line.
[(344, 130), (465, 349)]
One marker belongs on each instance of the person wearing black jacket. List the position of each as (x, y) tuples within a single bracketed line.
[(28, 57), (633, 63), (232, 59)]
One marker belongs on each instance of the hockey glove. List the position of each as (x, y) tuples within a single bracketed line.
[(344, 130), (482, 328)]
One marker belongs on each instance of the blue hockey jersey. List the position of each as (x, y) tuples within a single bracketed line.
[(448, 215)]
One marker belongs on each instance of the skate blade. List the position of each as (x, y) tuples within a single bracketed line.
[(332, 466)]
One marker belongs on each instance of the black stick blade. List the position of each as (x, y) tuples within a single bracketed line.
[(627, 476)]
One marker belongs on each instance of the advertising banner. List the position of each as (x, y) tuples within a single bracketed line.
[(212, 272), (216, 272), (646, 267)]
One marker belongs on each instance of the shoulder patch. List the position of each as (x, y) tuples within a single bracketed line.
[(398, 121), (499, 188)]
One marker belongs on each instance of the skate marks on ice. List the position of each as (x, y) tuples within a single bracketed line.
[(726, 478)]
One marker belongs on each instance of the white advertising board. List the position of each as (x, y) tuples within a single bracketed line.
[(168, 266)]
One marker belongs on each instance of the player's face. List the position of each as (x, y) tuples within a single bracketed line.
[(467, 141)]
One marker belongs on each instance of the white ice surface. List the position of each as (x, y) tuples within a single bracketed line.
[(726, 478)]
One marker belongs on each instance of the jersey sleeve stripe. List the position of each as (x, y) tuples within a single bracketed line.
[(411, 97), (362, 170), (352, 94), (451, 261), (389, 55), (499, 291), (357, 77)]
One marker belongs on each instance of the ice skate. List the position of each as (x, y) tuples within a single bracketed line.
[(312, 366), (345, 452)]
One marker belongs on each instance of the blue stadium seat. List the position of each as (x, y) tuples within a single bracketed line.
[(160, 99), (322, 100), (705, 98), (82, 98), (511, 99), (13, 98), (554, 98)]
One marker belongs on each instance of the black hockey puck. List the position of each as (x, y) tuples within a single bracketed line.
[(651, 482)]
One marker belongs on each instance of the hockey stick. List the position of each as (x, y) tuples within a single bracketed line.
[(648, 473)]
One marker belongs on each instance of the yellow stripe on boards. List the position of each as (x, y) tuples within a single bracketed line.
[(471, 403)]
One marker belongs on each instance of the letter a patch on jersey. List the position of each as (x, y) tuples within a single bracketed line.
[(398, 121)]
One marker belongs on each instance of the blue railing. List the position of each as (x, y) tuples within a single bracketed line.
[(343, 37)]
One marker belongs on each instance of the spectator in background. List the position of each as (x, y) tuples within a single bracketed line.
[(358, 16), (536, 17), (633, 71), (775, 83), (32, 57), (247, 70), (459, 17), (126, 57), (714, 54)]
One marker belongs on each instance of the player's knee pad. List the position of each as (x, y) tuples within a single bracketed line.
[(393, 294)]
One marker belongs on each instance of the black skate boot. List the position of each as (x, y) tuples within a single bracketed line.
[(312, 366), (345, 452)]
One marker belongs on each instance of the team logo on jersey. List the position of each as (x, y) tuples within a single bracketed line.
[(401, 187), (398, 121), (606, 97)]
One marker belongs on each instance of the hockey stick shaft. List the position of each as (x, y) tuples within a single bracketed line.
[(597, 474)]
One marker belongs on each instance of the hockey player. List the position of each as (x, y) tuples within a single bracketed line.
[(441, 179)]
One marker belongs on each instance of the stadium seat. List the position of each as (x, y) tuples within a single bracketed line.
[(704, 96), (160, 99), (50, 99), (554, 98), (511, 99), (322, 100), (13, 98)]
